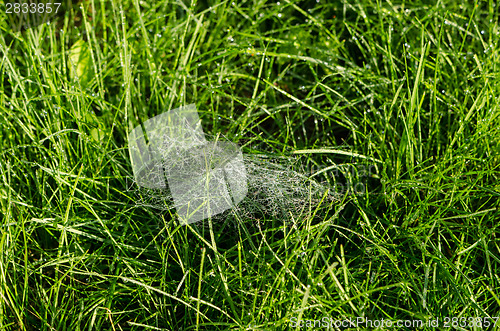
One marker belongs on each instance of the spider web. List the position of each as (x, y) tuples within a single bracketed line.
[(177, 167)]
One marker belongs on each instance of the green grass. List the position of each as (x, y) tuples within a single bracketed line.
[(407, 90)]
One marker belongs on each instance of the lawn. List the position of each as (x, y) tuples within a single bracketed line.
[(380, 120)]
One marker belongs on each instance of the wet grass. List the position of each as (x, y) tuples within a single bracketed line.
[(394, 105)]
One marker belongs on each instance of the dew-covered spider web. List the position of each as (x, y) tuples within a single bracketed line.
[(176, 166)]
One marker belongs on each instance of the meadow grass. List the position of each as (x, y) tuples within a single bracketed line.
[(406, 90)]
